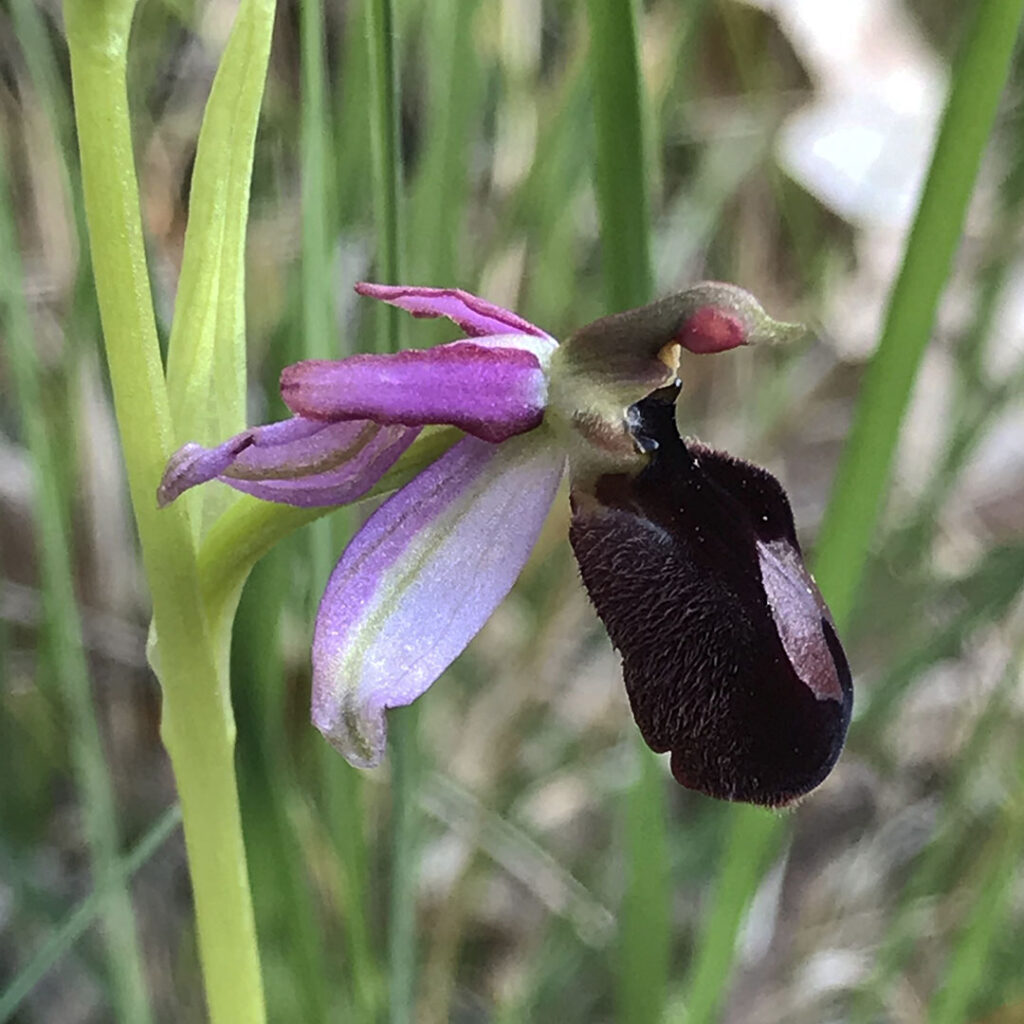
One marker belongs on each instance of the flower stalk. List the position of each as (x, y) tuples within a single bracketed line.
[(190, 658)]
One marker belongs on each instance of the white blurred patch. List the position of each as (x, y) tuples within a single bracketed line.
[(832, 969), (863, 145), (1004, 353)]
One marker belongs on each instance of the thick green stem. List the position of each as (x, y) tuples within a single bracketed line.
[(198, 728)]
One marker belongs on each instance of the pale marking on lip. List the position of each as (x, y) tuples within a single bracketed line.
[(798, 610)]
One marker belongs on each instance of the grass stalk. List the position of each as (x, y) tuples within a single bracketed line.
[(622, 191), (91, 908), (387, 174), (860, 486), (385, 145), (342, 785), (861, 483), (620, 170)]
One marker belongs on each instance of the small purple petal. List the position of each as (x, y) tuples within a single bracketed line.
[(475, 316), (490, 392), (299, 461), (420, 579)]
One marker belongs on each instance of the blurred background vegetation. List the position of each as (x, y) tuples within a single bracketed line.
[(785, 145)]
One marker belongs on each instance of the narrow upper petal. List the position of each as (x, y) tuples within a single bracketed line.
[(420, 579), (300, 461), (487, 390), (475, 316)]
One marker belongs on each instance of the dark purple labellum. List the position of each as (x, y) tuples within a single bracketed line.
[(730, 657)]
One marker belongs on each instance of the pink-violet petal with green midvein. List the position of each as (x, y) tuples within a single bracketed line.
[(302, 462), (488, 391), (474, 315), (420, 580)]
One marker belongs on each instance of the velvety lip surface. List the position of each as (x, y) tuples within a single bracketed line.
[(729, 655)]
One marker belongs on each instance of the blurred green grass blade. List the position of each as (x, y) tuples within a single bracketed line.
[(858, 491), (351, 100), (752, 843), (381, 34), (938, 860), (206, 357), (343, 818), (863, 476), (64, 639), (620, 166), (318, 306), (326, 537), (645, 925), (286, 909), (402, 743), (404, 754), (963, 977), (45, 75), (621, 177), (438, 195), (85, 914)]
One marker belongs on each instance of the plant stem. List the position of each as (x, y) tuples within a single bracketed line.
[(198, 728)]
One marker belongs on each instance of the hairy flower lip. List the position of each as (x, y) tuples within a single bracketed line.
[(729, 653)]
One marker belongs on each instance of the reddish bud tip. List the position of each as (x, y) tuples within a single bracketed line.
[(712, 330)]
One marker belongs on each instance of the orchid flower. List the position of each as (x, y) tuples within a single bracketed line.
[(730, 656)]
